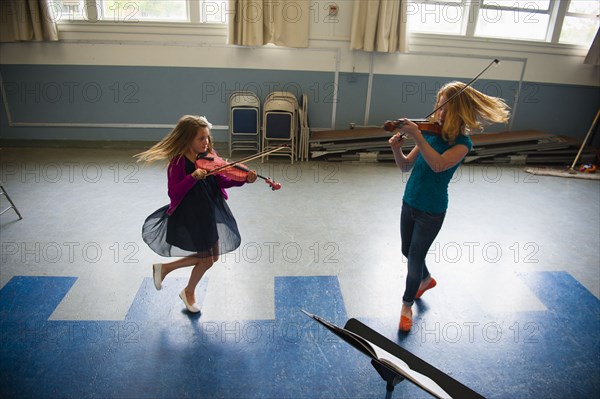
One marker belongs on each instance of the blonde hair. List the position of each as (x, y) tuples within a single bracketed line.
[(177, 142), (468, 110)]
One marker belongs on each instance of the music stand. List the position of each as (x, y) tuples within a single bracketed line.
[(395, 364)]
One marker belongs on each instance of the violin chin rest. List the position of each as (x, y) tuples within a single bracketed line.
[(203, 155)]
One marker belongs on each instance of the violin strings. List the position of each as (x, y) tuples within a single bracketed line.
[(249, 158)]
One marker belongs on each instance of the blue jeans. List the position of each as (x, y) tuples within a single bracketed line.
[(418, 229)]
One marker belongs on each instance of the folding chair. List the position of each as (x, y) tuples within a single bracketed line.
[(244, 122), (280, 123), (304, 129), (12, 205)]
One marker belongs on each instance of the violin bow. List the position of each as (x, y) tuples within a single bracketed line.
[(494, 62), (246, 159)]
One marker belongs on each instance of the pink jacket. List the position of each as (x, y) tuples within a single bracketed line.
[(179, 183)]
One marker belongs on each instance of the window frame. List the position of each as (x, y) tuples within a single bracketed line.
[(557, 11), (94, 11), (566, 13), (197, 31)]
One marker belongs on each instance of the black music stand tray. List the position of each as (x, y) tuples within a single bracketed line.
[(395, 364)]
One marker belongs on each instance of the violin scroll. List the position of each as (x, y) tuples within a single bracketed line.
[(390, 126), (273, 184)]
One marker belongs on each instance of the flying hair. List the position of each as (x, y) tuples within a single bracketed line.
[(469, 110), (177, 142)]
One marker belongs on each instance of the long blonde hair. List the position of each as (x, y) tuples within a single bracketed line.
[(468, 110), (177, 142)]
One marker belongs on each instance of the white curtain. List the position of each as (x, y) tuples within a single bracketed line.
[(27, 20), (260, 22), (379, 25), (593, 56)]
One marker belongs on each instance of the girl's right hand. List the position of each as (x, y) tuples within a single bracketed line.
[(396, 141), (199, 174)]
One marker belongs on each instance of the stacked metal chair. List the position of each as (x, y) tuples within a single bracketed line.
[(280, 123), (244, 122)]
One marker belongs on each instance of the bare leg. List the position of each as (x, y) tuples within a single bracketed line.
[(406, 311), (197, 272), (178, 264), (201, 266)]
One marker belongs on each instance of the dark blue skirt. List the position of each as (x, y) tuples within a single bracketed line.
[(202, 225)]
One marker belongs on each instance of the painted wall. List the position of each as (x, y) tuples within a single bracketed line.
[(112, 81)]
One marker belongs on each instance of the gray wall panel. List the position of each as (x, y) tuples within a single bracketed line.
[(72, 94)]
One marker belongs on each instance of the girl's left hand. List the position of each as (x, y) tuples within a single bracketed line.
[(396, 141), (199, 174), (251, 178), (410, 128)]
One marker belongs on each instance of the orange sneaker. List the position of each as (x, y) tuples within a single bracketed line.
[(421, 291), (405, 323)]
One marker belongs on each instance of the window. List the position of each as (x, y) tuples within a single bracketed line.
[(554, 21), (130, 11), (525, 20), (581, 22), (213, 11), (144, 10), (69, 10), (432, 16)]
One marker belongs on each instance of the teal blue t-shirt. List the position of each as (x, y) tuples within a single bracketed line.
[(427, 190)]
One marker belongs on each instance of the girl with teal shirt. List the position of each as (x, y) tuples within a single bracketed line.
[(433, 160)]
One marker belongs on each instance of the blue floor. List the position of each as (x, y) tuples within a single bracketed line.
[(515, 314), (158, 353)]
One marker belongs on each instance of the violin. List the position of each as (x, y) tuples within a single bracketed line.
[(426, 127), (235, 171)]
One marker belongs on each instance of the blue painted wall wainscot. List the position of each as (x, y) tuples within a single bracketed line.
[(49, 101)]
